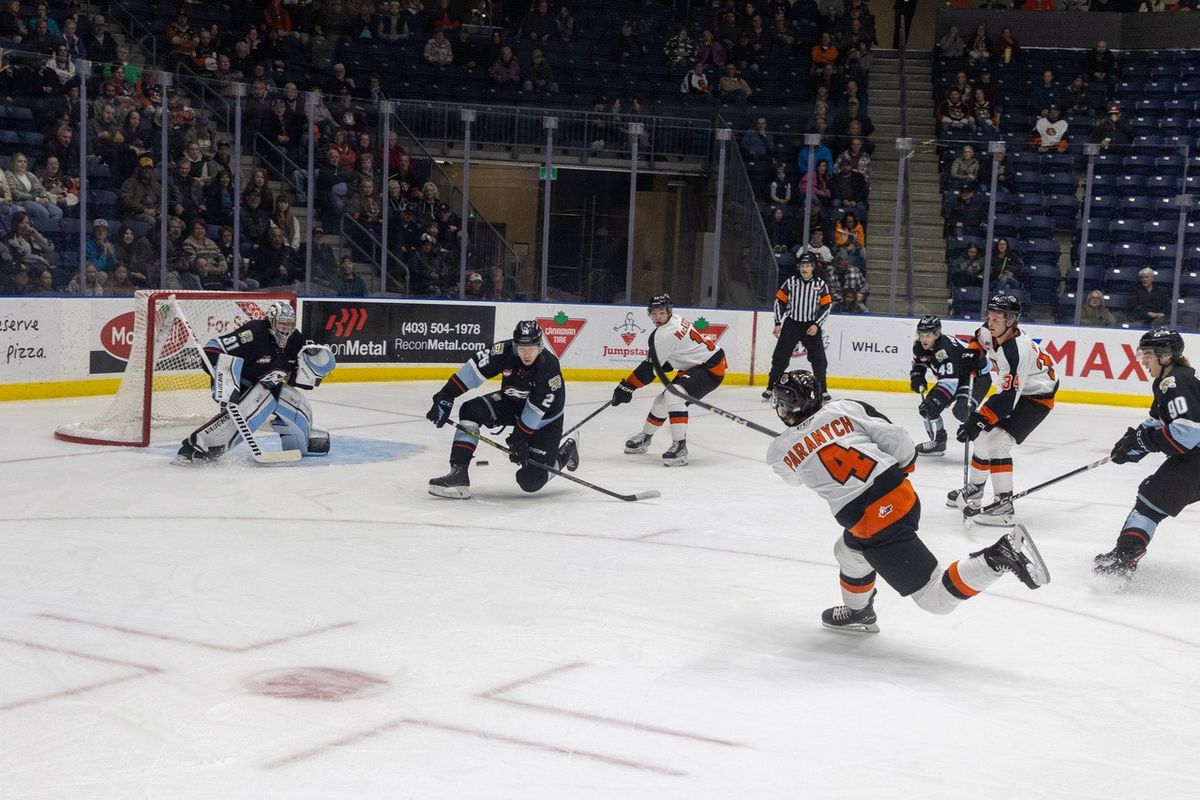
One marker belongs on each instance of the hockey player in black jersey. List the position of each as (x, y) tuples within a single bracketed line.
[(531, 399), (952, 362), (1173, 428), (258, 368)]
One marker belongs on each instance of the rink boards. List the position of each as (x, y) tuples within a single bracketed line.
[(60, 347)]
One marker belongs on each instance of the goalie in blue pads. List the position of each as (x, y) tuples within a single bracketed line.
[(259, 368)]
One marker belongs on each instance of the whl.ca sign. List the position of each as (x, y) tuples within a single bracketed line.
[(560, 330)]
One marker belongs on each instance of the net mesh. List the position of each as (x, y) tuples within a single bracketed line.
[(179, 386)]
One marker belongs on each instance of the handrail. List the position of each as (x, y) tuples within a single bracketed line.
[(137, 29), (766, 284), (198, 85), (372, 257)]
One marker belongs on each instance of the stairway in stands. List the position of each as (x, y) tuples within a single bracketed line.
[(928, 250)]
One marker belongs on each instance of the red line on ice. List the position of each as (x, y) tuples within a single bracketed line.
[(196, 642)]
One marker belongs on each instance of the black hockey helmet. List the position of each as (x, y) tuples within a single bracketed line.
[(796, 396), (1007, 304), (662, 300), (1163, 341), (930, 323), (527, 332)]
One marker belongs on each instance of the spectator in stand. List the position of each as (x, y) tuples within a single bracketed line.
[(63, 189), (849, 236), (12, 28), (136, 254), (1149, 304), (967, 268), (181, 41), (273, 263), (847, 303), (256, 221), (966, 166), (857, 158), (626, 44), (538, 75), (979, 48), (140, 193), (822, 190), (823, 53), (742, 53), (74, 42), (275, 17), (259, 182), (438, 51), (987, 116), (64, 147), (1006, 48), (426, 270), (1050, 132), (93, 287), (680, 51), (41, 13), (362, 26), (821, 153), (474, 286), (1005, 259), (564, 23), (956, 119), (1075, 98), (816, 245), (183, 275), (1101, 65), (694, 87), (443, 17), (733, 88), (184, 196), (449, 225), (848, 187), (339, 83), (6, 204), (391, 24), (99, 250), (781, 37), (779, 191), (220, 198), (711, 51), (1045, 94), (119, 284), (966, 212), (1113, 130), (200, 165), (43, 285), (27, 191), (952, 45), (781, 233), (505, 71), (499, 286), (1095, 312), (758, 143), (101, 46), (842, 277), (349, 283), (1038, 5), (468, 53), (39, 39), (26, 245), (198, 244), (539, 23)]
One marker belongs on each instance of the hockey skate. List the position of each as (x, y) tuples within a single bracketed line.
[(934, 447), (455, 484), (637, 444), (844, 618), (1015, 552), (568, 455), (999, 513), (826, 397), (189, 455), (970, 496), (676, 455), (1119, 562), (766, 395)]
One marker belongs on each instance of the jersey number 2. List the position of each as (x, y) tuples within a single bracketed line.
[(843, 463)]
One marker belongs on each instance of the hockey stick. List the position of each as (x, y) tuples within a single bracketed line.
[(967, 444), (628, 498), (588, 418), (1077, 471), (235, 413), (720, 412)]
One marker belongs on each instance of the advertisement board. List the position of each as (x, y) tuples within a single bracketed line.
[(362, 332), (29, 340)]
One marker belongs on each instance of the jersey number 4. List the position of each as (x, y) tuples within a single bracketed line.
[(844, 463)]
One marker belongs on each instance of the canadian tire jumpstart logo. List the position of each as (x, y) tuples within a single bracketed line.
[(560, 330)]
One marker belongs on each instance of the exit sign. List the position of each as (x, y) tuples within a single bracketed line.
[(542, 173)]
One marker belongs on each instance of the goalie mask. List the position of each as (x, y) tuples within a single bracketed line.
[(796, 396), (281, 319), (314, 362)]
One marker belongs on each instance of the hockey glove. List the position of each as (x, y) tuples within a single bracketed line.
[(1130, 448), (439, 412), (518, 448), (930, 408), (969, 431), (623, 393), (917, 382), (963, 406)]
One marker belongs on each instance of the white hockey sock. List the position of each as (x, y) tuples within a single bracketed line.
[(960, 581), (856, 577), (679, 423)]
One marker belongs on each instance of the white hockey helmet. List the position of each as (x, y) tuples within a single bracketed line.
[(281, 319)]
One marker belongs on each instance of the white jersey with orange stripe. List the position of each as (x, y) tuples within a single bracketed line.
[(678, 343), (840, 451), (1019, 369)]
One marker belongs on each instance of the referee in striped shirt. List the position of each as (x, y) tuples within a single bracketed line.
[(801, 306)]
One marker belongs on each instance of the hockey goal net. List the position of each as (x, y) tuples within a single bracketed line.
[(164, 383)]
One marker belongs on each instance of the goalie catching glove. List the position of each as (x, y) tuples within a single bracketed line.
[(313, 364)]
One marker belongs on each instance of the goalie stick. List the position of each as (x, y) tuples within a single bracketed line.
[(1077, 471), (680, 393), (235, 413), (628, 498)]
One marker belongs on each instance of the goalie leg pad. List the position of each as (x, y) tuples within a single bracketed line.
[(293, 423), (216, 435)]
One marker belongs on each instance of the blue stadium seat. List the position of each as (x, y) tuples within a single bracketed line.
[(1189, 284), (1042, 281), (1120, 279), (1130, 254), (1135, 207), (1131, 183), (1093, 277), (1138, 164), (1005, 225), (1064, 309), (1162, 185), (1159, 232), (1063, 209), (1107, 164), (1125, 230), (1162, 257), (1104, 206), (1099, 254), (1035, 226)]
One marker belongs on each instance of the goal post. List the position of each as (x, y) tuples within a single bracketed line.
[(164, 383)]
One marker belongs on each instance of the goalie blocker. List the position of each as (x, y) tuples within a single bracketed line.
[(258, 368)]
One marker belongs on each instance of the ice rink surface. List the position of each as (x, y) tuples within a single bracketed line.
[(329, 629)]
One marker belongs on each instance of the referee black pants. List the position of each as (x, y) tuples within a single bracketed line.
[(792, 333)]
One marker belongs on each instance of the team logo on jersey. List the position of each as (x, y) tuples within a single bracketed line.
[(1167, 383), (629, 330), (246, 336), (346, 321), (560, 330), (885, 510), (556, 382), (941, 355), (710, 332)]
